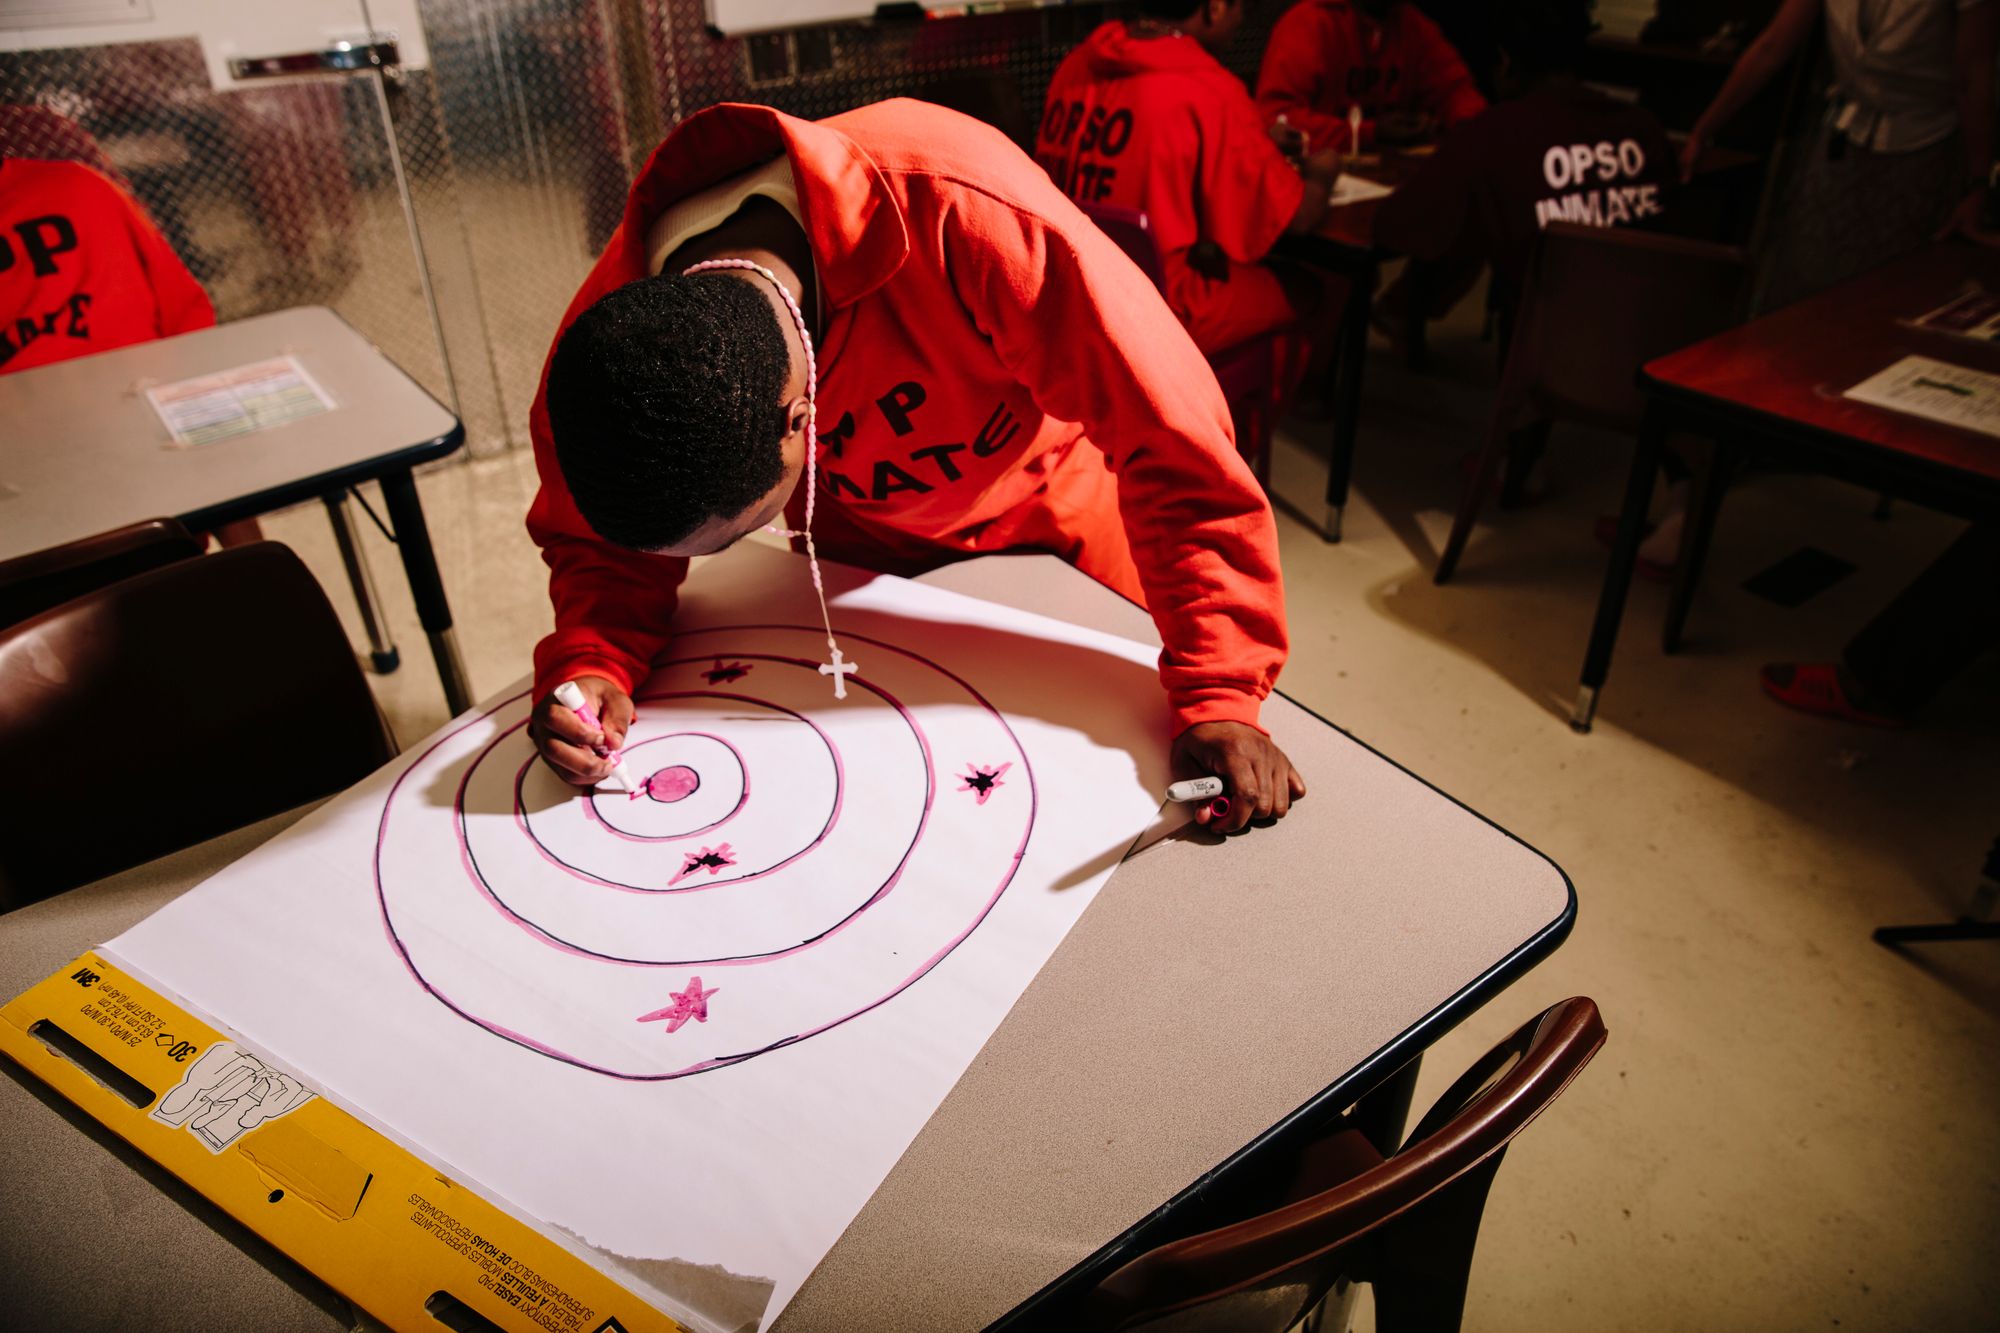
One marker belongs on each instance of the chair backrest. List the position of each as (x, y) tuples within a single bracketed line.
[(1130, 230), (1265, 1273), (171, 707), (1601, 302), (31, 584)]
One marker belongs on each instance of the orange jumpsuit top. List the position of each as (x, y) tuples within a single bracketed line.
[(1160, 125), (1326, 56), (82, 268), (993, 374)]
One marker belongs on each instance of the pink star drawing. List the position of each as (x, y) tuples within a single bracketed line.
[(710, 859), (981, 779), (719, 673), (689, 1003)]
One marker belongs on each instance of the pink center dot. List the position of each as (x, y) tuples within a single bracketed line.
[(673, 784)]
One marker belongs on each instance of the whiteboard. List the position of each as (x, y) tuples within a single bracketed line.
[(225, 28), (733, 17)]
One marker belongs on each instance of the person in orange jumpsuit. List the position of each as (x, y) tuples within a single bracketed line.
[(992, 374), (1143, 116), (82, 268), (1383, 56)]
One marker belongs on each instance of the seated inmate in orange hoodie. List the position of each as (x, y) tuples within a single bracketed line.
[(1143, 116), (83, 269)]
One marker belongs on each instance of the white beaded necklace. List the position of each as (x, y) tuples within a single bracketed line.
[(839, 668)]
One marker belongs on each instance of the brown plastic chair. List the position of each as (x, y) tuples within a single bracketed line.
[(1600, 302), (1406, 1225), (171, 707), (31, 584), (1248, 373)]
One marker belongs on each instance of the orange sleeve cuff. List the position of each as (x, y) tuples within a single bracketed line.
[(1214, 703), (555, 673)]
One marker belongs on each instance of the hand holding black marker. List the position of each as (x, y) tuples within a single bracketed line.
[(1258, 781), (1201, 789)]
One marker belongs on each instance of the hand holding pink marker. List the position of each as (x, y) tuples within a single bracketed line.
[(570, 696)]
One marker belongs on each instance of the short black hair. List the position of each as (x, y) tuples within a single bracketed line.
[(666, 404), (1173, 11), (1545, 36)]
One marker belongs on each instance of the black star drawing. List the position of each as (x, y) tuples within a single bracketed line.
[(981, 779), (719, 673)]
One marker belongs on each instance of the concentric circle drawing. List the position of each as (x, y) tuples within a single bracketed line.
[(789, 861)]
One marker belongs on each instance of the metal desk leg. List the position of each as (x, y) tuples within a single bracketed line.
[(1976, 924), (381, 649), (1711, 479), (1618, 574), (1417, 293), (413, 540), (1347, 392)]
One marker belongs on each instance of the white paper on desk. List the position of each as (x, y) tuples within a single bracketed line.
[(624, 1017), (1350, 189), (1937, 390), (238, 401)]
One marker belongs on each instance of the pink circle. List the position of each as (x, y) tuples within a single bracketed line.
[(673, 784)]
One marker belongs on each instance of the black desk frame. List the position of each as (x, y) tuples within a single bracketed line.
[(409, 531), (1736, 430)]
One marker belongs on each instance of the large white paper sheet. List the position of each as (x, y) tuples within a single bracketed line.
[(696, 1027)]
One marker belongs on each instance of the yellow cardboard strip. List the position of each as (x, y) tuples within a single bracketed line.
[(371, 1220)]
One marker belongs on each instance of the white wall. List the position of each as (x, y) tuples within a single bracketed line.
[(225, 27)]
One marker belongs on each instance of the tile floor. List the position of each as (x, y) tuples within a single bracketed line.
[(1791, 1127)]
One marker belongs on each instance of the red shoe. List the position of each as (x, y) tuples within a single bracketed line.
[(1652, 571), (1816, 687)]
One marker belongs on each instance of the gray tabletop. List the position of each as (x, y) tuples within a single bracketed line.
[(83, 451), (1212, 989)]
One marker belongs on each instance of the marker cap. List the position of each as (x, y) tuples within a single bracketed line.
[(1195, 789)]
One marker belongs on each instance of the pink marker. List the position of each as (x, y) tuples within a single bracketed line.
[(571, 697)]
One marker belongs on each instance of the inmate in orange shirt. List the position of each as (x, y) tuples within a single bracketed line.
[(1158, 124), (82, 268), (1327, 55), (994, 374)]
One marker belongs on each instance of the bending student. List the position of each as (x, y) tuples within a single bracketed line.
[(992, 374)]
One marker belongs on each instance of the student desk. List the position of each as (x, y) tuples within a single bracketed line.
[(83, 452), (1774, 385), (1344, 243), (1216, 1002)]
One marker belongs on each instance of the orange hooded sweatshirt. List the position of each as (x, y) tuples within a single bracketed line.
[(1328, 55), (993, 374), (83, 269), (1159, 125)]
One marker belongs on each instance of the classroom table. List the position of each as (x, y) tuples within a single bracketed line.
[(1774, 385), (1216, 1003), (84, 452), (1344, 243)]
